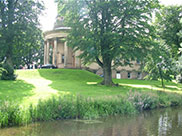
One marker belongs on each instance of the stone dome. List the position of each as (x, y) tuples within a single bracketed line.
[(59, 22)]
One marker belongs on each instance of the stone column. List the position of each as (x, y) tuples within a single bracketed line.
[(65, 54), (54, 61), (77, 59), (45, 52), (53, 53)]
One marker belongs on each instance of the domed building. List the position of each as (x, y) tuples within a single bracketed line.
[(57, 52)]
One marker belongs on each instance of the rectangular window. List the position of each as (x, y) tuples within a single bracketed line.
[(129, 75), (62, 58)]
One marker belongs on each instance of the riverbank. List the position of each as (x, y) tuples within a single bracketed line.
[(43, 95), (148, 123), (78, 107)]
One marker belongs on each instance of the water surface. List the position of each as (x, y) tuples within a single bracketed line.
[(163, 122)]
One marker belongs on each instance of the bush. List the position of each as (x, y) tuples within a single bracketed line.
[(1, 69), (148, 100), (143, 101), (8, 72), (169, 99)]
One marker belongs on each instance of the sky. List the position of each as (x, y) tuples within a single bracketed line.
[(49, 17), (50, 13), (171, 2)]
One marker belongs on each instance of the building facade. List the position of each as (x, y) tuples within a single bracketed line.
[(57, 52)]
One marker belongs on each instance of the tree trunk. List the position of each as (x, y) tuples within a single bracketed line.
[(107, 75), (161, 76), (9, 61)]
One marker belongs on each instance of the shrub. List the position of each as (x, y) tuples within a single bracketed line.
[(8, 72), (1, 69), (163, 99), (143, 101), (169, 99)]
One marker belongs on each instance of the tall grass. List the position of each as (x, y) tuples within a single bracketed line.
[(149, 100), (78, 107)]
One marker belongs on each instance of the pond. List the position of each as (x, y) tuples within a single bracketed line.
[(161, 122)]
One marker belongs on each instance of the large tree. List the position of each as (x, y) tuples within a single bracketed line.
[(159, 64), (20, 33), (29, 48), (109, 32), (164, 59), (168, 25)]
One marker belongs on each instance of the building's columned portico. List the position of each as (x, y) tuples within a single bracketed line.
[(57, 52)]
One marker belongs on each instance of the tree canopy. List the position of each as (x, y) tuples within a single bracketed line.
[(167, 53), (20, 34), (109, 32), (168, 25)]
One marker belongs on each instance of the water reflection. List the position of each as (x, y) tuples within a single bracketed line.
[(164, 122)]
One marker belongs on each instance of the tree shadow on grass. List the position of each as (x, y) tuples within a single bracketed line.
[(15, 91)]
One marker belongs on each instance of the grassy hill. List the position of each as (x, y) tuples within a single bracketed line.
[(77, 95), (33, 85)]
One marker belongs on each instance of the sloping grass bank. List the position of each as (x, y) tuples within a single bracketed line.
[(33, 85), (40, 95)]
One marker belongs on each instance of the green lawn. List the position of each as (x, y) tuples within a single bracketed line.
[(32, 85)]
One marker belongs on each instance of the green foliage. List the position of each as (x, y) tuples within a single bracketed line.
[(148, 100), (20, 34), (159, 65), (12, 114), (177, 68), (1, 69), (8, 72), (77, 107), (167, 99), (67, 107), (108, 31), (168, 27), (163, 60), (143, 101)]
